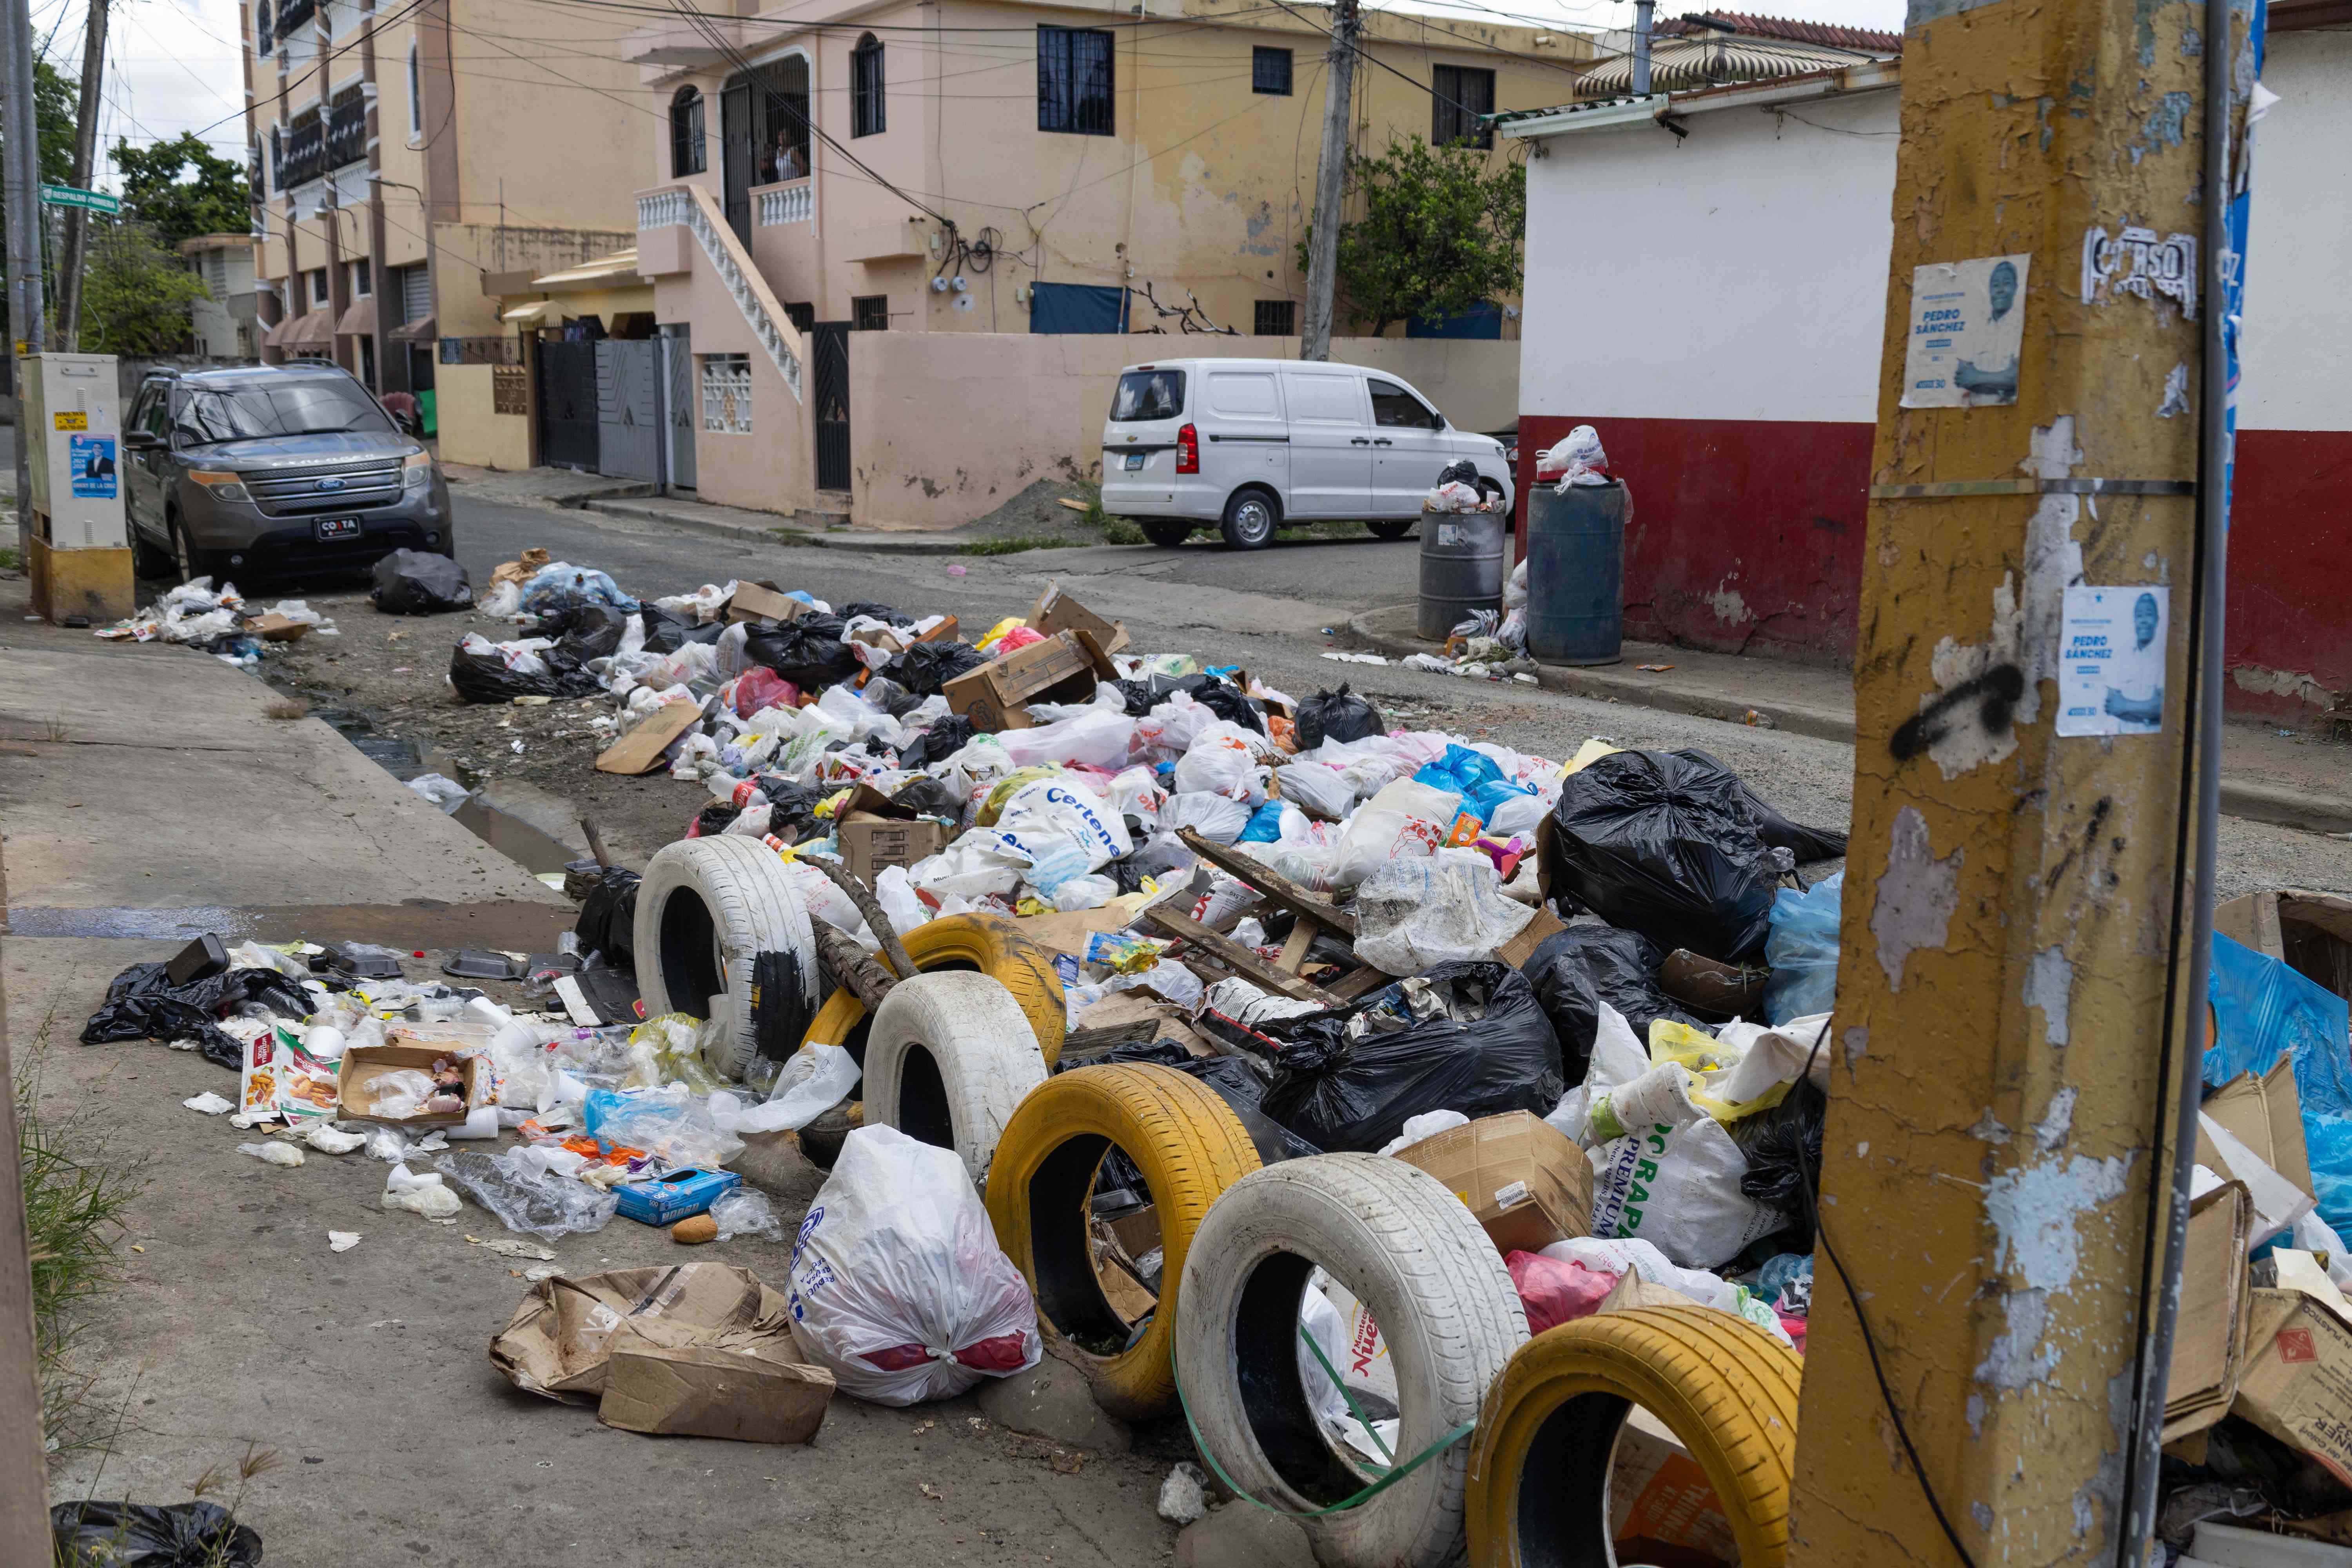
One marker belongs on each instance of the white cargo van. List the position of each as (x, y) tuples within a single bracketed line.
[(1244, 445)]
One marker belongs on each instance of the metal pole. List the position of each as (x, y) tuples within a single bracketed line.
[(1331, 175), (24, 204), (85, 166), (1645, 14)]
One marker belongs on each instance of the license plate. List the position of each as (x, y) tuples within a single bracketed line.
[(338, 527), (1135, 460)]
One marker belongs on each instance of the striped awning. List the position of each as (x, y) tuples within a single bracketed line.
[(1682, 65), (359, 321), (413, 332)]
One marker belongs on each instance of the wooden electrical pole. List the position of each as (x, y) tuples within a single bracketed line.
[(1330, 180), (2014, 1036), (85, 166)]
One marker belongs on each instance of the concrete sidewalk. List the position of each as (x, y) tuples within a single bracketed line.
[(808, 530), (2296, 778)]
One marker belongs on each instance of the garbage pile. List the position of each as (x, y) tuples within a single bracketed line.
[(219, 622)]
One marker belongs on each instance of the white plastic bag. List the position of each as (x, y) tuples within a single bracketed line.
[(1415, 914), (981, 862), (1212, 816), (1405, 820), (1218, 763), (813, 1080), (1320, 789), (897, 1285), (1062, 807), (1678, 1189), (1617, 1057), (1097, 739)]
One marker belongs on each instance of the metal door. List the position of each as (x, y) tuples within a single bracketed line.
[(829, 353), (628, 421), (567, 405), (681, 412), (736, 152)]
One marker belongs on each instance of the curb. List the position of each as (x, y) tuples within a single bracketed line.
[(870, 544), (2251, 802)]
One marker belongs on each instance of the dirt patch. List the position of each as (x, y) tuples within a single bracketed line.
[(1037, 512)]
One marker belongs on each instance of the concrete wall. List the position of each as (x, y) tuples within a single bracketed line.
[(472, 431), (1734, 380), (946, 427)]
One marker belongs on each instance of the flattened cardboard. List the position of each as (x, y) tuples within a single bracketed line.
[(764, 601), (2265, 1114), (362, 1065), (640, 750), (1662, 1507), (1522, 947), (2296, 1384), (561, 1338), (271, 626), (1062, 669), (2210, 1345), (1056, 611), (1494, 1154), (752, 1394)]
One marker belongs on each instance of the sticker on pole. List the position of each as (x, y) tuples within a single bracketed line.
[(2111, 660), (1967, 325)]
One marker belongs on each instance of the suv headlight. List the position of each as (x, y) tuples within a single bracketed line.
[(223, 485), (416, 471)]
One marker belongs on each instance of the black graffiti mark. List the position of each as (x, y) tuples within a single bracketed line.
[(2090, 840), (1996, 692)]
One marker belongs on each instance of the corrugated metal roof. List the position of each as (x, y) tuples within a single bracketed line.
[(1831, 34), (1678, 65)]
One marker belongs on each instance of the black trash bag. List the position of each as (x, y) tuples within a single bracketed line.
[(1338, 716), (1783, 1146), (485, 678), (927, 667), (586, 631), (712, 819), (1156, 858), (143, 1535), (1460, 472), (665, 633), (792, 805), (857, 608), (1237, 1081), (1228, 702), (1353, 1096), (608, 920), (1669, 844), (890, 696), (142, 1004), (932, 798), (1807, 843), (1585, 964), (803, 652), (414, 583), (943, 739)]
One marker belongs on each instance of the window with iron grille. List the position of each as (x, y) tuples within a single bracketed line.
[(1270, 71), (686, 151), (870, 313), (1276, 319), (1463, 96), (415, 293), (865, 117), (363, 280), (727, 393), (1073, 80), (317, 287), (264, 35)]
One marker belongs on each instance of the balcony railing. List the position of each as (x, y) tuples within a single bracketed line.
[(795, 203), (347, 131), (296, 14), (306, 155)]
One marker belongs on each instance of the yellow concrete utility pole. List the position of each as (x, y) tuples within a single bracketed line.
[(2012, 1043)]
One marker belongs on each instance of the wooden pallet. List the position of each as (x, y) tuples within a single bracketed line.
[(1312, 915)]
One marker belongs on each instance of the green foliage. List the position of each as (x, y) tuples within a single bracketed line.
[(136, 297), (55, 99), (184, 188), (1442, 233)]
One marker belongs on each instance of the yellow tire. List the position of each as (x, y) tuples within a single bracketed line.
[(989, 943), (1541, 1456), (1188, 1145)]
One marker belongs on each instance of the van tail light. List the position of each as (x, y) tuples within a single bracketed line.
[(1188, 450)]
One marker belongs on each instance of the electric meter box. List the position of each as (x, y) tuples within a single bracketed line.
[(73, 412)]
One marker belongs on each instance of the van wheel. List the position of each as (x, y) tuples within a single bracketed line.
[(1251, 517), (1168, 536), (1391, 530)]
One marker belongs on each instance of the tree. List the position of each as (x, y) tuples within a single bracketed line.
[(136, 297), (1442, 233), (184, 188)]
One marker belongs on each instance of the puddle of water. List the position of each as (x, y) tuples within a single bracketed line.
[(511, 836), (162, 925)]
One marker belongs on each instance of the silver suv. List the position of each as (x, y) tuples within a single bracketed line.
[(266, 468)]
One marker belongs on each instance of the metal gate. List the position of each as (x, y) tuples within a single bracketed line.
[(628, 421), (736, 152), (567, 405), (829, 353), (681, 410)]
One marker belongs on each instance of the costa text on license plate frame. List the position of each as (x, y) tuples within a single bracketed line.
[(330, 529)]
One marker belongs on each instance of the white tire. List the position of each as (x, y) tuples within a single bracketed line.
[(949, 1059), (722, 933), (1396, 1239)]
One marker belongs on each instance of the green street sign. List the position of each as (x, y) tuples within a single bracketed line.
[(72, 196)]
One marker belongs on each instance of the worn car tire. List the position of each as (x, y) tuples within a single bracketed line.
[(1188, 1145), (988, 943), (1541, 1458), (949, 1059), (1396, 1239), (1251, 517), (1167, 535), (1390, 530), (718, 918), (188, 563)]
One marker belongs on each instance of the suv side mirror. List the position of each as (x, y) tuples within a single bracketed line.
[(142, 441)]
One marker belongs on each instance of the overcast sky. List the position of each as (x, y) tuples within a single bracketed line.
[(171, 65)]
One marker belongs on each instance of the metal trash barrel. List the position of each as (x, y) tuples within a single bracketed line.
[(1575, 573), (1461, 567)]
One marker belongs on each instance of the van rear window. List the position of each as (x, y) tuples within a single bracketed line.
[(1148, 394)]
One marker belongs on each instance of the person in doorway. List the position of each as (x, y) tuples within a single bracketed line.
[(1985, 360), (2137, 696), (791, 163)]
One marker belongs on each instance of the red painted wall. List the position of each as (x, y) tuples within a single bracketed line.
[(1774, 513)]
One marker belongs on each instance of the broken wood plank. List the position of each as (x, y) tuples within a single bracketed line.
[(1273, 884), (1293, 951), (1238, 959), (1359, 982)]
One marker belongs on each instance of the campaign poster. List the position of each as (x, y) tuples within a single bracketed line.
[(2111, 654), (1967, 325)]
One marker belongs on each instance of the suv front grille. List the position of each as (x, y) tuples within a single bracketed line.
[(295, 492)]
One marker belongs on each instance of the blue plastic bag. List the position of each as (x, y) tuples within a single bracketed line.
[(2264, 1009), (1264, 824), (1803, 951), (1476, 777)]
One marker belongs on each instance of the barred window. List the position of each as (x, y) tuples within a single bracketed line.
[(1276, 319), (687, 153), (1270, 71), (1073, 80), (727, 393), (865, 116)]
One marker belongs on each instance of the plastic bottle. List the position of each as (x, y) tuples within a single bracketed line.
[(734, 791)]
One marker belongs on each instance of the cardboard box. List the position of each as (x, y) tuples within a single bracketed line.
[(2310, 932), (1662, 1507), (2209, 1345), (1061, 668), (362, 1065), (758, 1394), (764, 601), (1526, 1181), (1532, 935), (877, 832), (2265, 1114), (271, 626), (1056, 611), (2296, 1384), (641, 749)]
